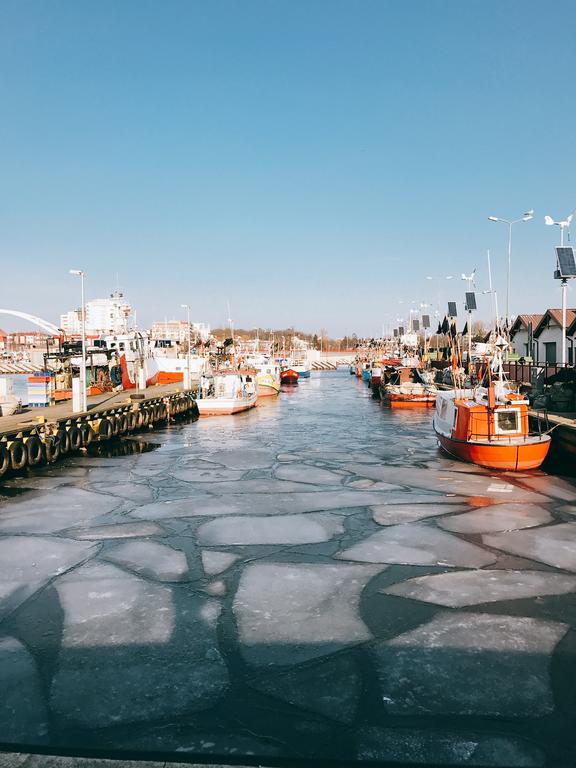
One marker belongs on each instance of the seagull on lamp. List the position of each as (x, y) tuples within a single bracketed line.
[(565, 224)]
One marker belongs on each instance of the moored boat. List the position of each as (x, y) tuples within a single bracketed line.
[(288, 376), (402, 387), (228, 393)]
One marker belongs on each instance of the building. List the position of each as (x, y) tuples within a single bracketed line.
[(548, 337), (103, 316), (3, 338), (178, 330), (20, 341), (522, 335)]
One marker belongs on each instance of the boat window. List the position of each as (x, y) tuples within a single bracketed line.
[(507, 421)]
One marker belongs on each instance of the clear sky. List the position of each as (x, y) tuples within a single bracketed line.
[(311, 161)]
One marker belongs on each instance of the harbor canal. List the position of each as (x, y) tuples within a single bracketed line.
[(311, 579)]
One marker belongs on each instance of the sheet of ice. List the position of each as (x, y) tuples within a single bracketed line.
[(181, 738), (393, 514), (118, 531), (257, 504), (455, 590), (281, 529), (417, 545), (264, 485), (27, 563), (497, 517), (446, 748), (288, 457), (331, 688), (215, 562), (303, 473), (138, 492), (45, 512), (206, 474), (23, 715), (288, 613), (555, 487), (125, 641), (242, 458), (150, 558), (470, 664), (461, 483), (554, 545)]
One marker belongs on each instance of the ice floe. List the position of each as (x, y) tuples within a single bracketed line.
[(393, 514), (215, 562), (206, 474), (304, 473), (117, 531), (281, 529), (554, 545), (242, 458), (497, 517), (150, 558)]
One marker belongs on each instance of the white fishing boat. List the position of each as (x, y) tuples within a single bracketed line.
[(267, 378), (302, 368), (227, 392)]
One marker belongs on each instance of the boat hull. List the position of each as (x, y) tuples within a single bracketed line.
[(225, 406), (267, 390), (289, 376), (509, 456), (409, 401)]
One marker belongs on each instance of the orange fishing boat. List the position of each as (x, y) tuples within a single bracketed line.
[(488, 426), (400, 389), (288, 376)]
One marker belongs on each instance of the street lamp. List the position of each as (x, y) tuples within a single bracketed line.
[(526, 217), (188, 383), (84, 402), (439, 278)]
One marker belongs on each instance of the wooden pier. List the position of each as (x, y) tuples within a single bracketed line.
[(42, 435)]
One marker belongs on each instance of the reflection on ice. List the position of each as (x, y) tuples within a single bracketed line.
[(23, 714), (393, 514)]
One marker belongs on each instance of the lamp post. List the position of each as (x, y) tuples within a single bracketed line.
[(188, 383), (439, 278), (526, 217), (83, 399)]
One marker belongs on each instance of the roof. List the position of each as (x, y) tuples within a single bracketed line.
[(555, 316), (522, 321)]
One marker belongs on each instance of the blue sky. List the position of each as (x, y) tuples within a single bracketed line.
[(311, 161)]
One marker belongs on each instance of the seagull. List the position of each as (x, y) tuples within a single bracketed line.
[(565, 224)]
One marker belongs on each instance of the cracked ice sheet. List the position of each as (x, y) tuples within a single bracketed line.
[(258, 504), (282, 529), (119, 531), (417, 545), (454, 482), (23, 715), (497, 517), (287, 614), (264, 485), (38, 512), (554, 545), (242, 458), (303, 473), (27, 563), (206, 474), (470, 664), (138, 492), (125, 641), (456, 590), (447, 748), (393, 514), (150, 558), (216, 562)]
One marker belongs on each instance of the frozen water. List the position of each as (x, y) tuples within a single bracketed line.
[(27, 563), (258, 504), (216, 562), (206, 474), (554, 545), (460, 483), (242, 458), (290, 613), (264, 485), (150, 558), (282, 529), (288, 457), (23, 715), (417, 545), (303, 473), (125, 641), (137, 492), (497, 517), (38, 483), (392, 514), (470, 664), (555, 487), (447, 748), (331, 688), (38, 512), (407, 497), (476, 587), (181, 738), (119, 531), (216, 588)]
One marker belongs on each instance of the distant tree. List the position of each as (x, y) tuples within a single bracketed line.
[(315, 342)]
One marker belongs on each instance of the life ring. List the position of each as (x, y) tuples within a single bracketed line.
[(34, 450), (86, 433), (51, 447), (104, 428), (18, 455), (4, 459), (64, 439), (74, 438)]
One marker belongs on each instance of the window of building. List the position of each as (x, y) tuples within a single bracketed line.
[(550, 351)]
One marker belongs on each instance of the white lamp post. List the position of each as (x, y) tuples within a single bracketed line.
[(439, 279), (526, 217), (83, 399), (188, 383)]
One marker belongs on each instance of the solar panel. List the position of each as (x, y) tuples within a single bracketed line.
[(452, 309), (566, 262), (415, 325), (425, 321), (470, 301), (401, 331), (395, 332)]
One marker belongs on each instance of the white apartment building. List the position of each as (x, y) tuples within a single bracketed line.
[(102, 316), (177, 330)]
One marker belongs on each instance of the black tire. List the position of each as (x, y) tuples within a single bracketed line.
[(18, 455), (64, 439), (105, 429), (124, 423), (86, 433), (74, 438), (4, 459), (34, 450), (115, 425), (51, 448), (145, 417)]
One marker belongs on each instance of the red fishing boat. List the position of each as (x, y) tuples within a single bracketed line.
[(288, 376)]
